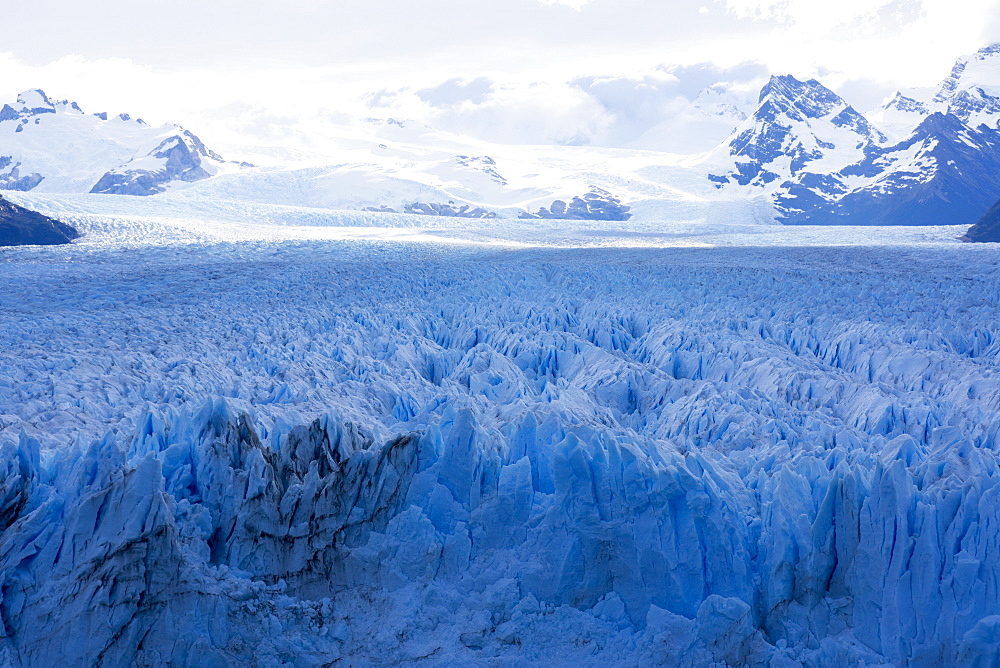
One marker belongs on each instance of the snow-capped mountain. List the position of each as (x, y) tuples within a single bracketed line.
[(403, 166), (946, 171), (54, 146), (971, 90), (821, 162), (722, 103), (798, 124), (804, 154), (377, 165)]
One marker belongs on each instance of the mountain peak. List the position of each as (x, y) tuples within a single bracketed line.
[(787, 87), (35, 100), (906, 104), (802, 101), (981, 69), (940, 124), (797, 123), (786, 99)]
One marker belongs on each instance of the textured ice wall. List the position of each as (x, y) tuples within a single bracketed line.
[(203, 545), (680, 457)]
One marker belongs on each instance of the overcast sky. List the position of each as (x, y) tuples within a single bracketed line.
[(550, 66)]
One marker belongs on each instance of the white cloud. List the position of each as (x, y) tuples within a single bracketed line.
[(502, 70), (572, 4), (810, 14)]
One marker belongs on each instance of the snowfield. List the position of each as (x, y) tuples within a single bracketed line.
[(281, 436)]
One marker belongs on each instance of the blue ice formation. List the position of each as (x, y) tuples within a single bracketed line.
[(678, 456), (197, 542)]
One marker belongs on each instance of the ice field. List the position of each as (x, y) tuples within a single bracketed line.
[(281, 436)]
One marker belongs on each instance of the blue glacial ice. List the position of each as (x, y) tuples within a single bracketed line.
[(299, 453)]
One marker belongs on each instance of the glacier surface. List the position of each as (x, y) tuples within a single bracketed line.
[(277, 450)]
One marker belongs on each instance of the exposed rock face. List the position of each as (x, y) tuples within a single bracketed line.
[(180, 159), (987, 228), (822, 163), (12, 179), (20, 226), (597, 204), (484, 164), (448, 210)]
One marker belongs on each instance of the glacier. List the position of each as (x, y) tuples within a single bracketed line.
[(266, 449)]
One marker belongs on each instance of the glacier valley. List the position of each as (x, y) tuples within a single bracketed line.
[(372, 440)]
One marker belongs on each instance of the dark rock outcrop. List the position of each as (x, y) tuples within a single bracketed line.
[(988, 227), (449, 210), (597, 204), (20, 227)]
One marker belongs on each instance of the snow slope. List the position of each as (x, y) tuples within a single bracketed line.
[(386, 165), (971, 91), (246, 442), (406, 167), (802, 155), (53, 146)]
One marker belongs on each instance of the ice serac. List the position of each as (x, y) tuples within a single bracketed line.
[(199, 540), (630, 456)]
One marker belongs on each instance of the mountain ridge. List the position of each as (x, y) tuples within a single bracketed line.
[(813, 158), (54, 146), (940, 172)]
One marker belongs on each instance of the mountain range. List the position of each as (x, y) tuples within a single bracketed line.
[(54, 146), (821, 162), (805, 155)]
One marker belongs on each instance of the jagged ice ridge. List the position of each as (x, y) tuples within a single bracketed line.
[(393, 453)]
